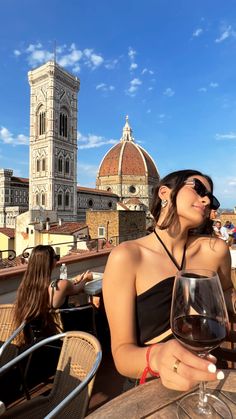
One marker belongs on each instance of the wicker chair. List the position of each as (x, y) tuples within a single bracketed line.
[(6, 330), (79, 360)]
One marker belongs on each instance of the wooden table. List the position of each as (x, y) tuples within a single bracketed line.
[(152, 400)]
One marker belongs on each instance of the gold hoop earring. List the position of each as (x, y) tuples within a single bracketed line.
[(164, 202)]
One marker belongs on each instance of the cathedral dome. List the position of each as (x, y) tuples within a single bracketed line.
[(128, 171), (127, 158)]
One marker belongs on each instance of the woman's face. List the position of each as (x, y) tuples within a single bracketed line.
[(191, 207)]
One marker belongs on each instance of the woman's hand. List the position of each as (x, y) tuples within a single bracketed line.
[(179, 368), (85, 277)]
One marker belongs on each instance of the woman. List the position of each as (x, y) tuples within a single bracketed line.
[(140, 273), (37, 294)]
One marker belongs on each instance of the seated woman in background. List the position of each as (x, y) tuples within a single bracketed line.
[(140, 274), (37, 293)]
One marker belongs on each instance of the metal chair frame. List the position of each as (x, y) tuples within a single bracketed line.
[(77, 390)]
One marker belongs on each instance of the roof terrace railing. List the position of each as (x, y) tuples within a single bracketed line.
[(91, 245), (11, 254)]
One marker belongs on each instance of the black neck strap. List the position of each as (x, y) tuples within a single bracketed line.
[(179, 267)]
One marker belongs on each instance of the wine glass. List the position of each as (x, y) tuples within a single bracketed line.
[(199, 321)]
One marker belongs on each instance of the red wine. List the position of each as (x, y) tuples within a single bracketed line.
[(199, 333)]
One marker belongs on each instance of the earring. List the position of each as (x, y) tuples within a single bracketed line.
[(164, 202)]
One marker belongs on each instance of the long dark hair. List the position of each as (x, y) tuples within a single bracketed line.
[(32, 300), (175, 182)]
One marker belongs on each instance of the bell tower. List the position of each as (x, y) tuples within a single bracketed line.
[(53, 140)]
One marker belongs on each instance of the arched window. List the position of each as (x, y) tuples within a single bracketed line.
[(43, 199), (67, 166), (42, 123), (59, 200), (109, 189), (67, 199), (63, 125), (43, 165), (60, 164), (38, 165), (37, 199)]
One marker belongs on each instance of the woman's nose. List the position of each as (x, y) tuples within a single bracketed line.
[(206, 200)]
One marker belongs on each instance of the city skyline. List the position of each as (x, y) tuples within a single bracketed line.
[(167, 65)]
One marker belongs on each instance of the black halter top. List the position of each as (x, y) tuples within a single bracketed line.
[(153, 306)]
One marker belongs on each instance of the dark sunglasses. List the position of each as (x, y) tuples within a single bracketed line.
[(56, 257), (202, 191)]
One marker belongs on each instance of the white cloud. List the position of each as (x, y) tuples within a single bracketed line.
[(133, 66), (134, 85), (7, 137), (225, 34), (202, 89), (36, 55), (161, 118), (111, 64), (197, 32), (149, 111), (92, 141), (169, 92), (145, 70), (214, 85), (33, 47), (67, 56), (229, 136), (150, 88), (72, 58), (16, 52), (131, 53), (104, 87)]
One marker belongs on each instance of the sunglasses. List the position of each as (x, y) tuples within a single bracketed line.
[(202, 191), (56, 257)]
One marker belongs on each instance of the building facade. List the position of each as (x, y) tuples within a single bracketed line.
[(14, 197)]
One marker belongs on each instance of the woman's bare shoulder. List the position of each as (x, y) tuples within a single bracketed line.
[(209, 243), (129, 250)]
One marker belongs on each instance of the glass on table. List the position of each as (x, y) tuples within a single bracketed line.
[(199, 321)]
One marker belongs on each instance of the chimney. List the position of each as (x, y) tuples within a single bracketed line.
[(47, 225), (59, 221)]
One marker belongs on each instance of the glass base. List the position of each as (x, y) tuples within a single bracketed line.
[(188, 407)]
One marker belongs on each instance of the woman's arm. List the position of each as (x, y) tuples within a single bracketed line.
[(224, 272), (119, 293), (66, 287)]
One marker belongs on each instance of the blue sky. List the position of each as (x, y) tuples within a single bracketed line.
[(168, 64)]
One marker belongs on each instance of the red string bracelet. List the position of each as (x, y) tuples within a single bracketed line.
[(148, 369)]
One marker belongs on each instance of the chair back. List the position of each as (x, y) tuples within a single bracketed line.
[(78, 355), (78, 363), (7, 327)]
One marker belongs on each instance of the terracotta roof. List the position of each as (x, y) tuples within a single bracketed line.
[(95, 191), (134, 201), (127, 158), (9, 232), (20, 180), (65, 228), (120, 204)]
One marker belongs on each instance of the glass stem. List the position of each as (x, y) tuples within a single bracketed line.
[(202, 395)]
